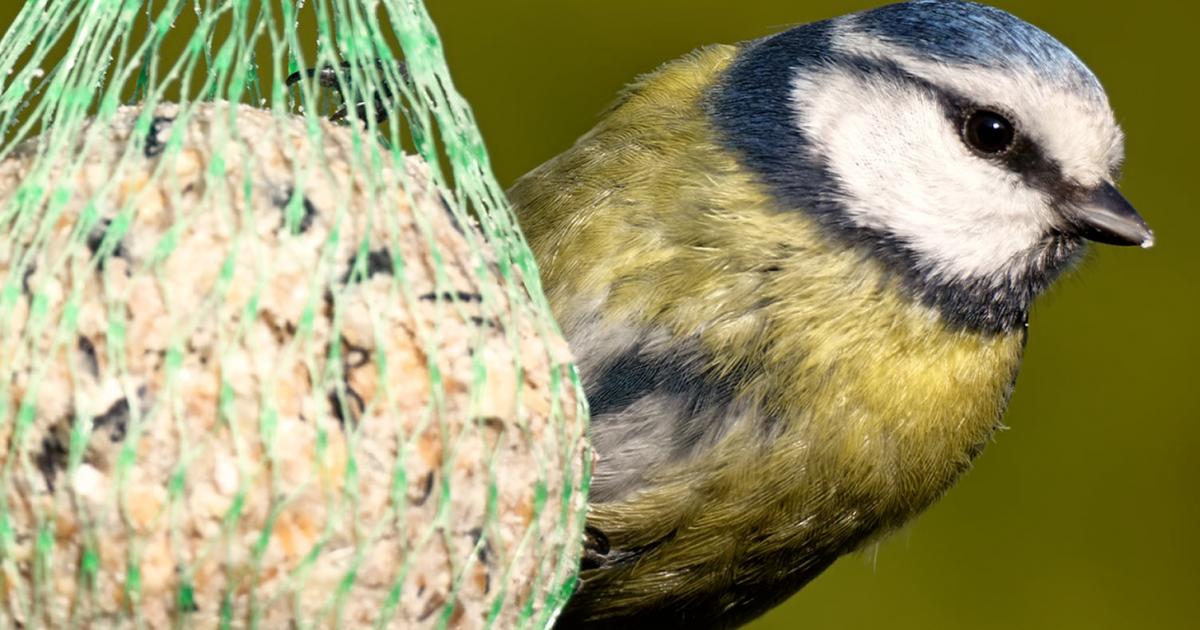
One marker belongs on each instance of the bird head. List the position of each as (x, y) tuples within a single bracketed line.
[(965, 148)]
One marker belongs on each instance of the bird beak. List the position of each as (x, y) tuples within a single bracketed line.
[(1104, 216)]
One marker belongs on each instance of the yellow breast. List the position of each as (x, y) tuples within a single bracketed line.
[(820, 403)]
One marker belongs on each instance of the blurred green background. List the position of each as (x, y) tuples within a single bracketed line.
[(1085, 514)]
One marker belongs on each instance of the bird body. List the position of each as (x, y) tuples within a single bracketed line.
[(831, 352), (779, 370)]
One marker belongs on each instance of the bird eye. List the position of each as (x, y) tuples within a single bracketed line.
[(988, 132)]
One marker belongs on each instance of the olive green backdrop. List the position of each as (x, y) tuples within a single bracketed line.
[(1084, 514)]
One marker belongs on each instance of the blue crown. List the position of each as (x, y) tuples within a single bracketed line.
[(970, 33)]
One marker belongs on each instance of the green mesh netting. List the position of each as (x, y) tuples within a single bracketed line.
[(259, 368)]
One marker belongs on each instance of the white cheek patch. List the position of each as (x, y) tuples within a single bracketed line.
[(905, 171), (1075, 126)]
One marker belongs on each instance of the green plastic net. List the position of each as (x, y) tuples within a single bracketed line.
[(259, 368)]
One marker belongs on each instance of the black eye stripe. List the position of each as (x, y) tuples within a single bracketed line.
[(1025, 156)]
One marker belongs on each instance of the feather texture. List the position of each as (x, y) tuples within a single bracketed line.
[(765, 398)]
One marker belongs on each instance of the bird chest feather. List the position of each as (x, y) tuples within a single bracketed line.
[(796, 276)]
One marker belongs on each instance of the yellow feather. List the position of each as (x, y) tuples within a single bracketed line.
[(877, 405)]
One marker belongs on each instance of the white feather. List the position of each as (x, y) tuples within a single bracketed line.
[(906, 171), (1076, 127)]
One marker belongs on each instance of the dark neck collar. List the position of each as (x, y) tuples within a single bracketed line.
[(751, 108)]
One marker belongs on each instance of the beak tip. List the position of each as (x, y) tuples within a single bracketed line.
[(1107, 217)]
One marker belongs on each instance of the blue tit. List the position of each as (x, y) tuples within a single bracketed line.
[(796, 274)]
